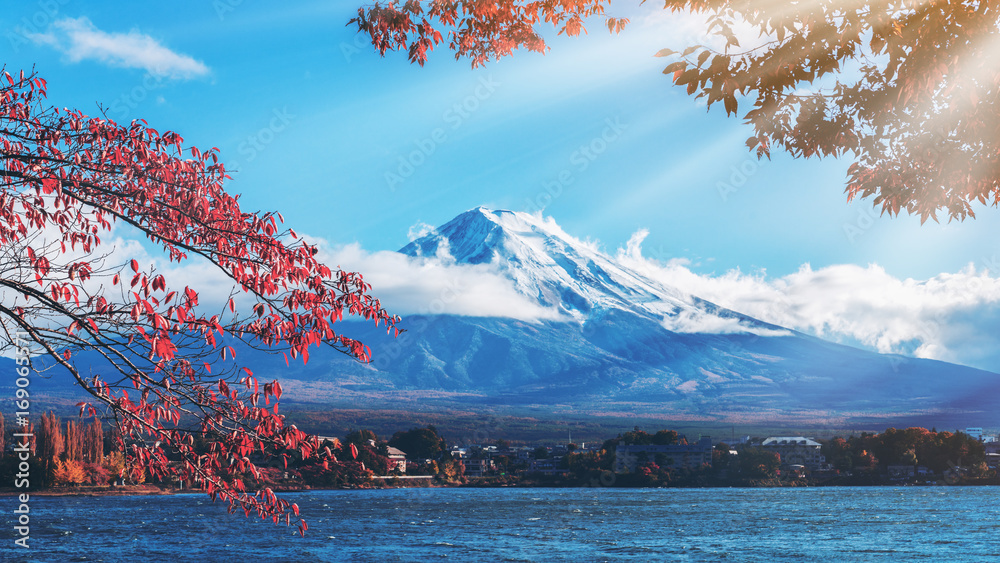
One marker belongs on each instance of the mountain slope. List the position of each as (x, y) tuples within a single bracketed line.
[(628, 344), (621, 344)]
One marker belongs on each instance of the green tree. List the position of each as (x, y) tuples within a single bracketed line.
[(757, 463), (899, 447), (722, 460), (665, 438), (636, 437), (360, 437), (838, 453), (419, 443)]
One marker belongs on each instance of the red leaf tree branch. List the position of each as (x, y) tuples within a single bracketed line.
[(907, 87), (65, 180)]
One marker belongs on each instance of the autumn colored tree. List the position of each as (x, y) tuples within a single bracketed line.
[(50, 437), (93, 442), (367, 449), (944, 450), (114, 463), (74, 442), (169, 372), (68, 472), (336, 473), (50, 444), (907, 88), (32, 439), (450, 469)]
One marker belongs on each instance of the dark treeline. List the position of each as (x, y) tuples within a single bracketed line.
[(80, 453), (937, 451)]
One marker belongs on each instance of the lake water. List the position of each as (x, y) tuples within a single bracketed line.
[(588, 524)]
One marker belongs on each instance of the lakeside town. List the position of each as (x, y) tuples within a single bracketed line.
[(71, 457)]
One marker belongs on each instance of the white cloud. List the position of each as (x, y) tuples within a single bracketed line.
[(79, 39), (950, 317), (700, 322), (404, 285), (420, 230), (435, 285)]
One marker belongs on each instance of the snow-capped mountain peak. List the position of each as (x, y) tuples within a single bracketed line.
[(562, 272)]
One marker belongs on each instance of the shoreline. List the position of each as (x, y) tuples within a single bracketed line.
[(153, 490), (147, 490)]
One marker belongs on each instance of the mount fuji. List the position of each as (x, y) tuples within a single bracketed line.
[(606, 340), (613, 342), (574, 280)]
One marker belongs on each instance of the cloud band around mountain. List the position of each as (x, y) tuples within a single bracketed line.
[(951, 317)]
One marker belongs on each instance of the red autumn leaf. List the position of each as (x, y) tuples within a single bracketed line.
[(907, 83), (98, 174)]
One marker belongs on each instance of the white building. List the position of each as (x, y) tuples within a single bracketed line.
[(676, 456), (397, 459), (796, 450)]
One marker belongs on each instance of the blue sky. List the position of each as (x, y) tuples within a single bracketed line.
[(356, 149)]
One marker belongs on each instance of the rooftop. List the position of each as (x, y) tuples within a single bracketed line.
[(790, 441)]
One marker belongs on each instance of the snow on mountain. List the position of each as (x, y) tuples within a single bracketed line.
[(621, 344), (572, 276)]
